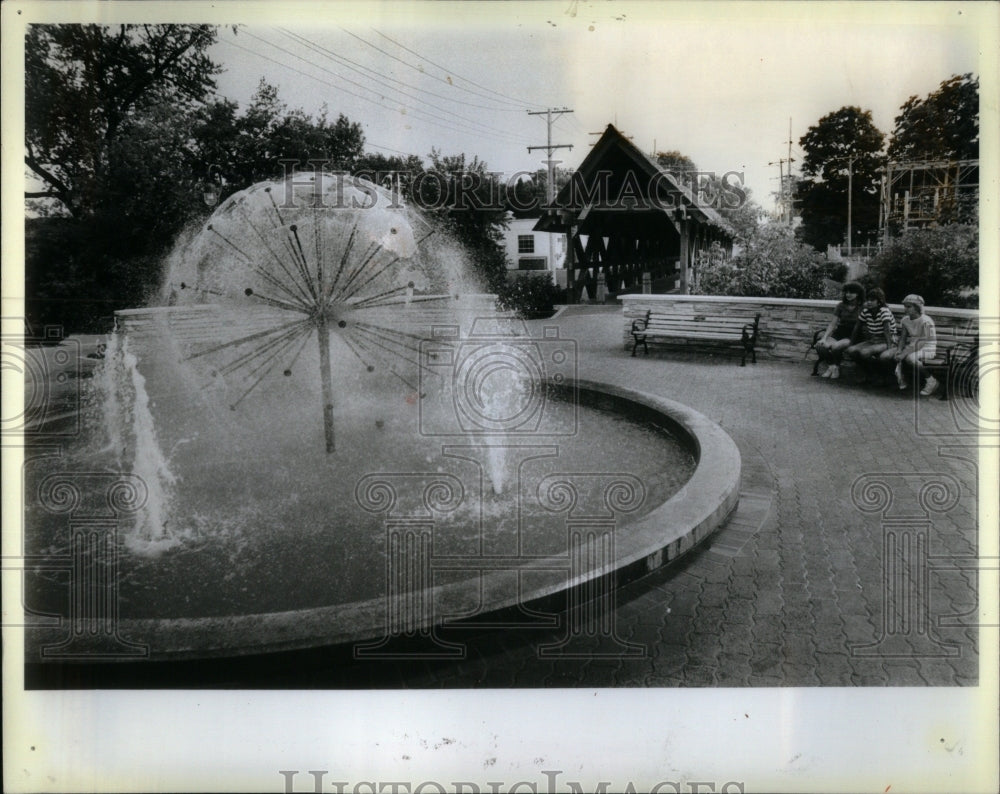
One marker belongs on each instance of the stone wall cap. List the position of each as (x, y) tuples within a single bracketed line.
[(897, 308)]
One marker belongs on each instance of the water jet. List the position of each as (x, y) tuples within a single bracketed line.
[(471, 469)]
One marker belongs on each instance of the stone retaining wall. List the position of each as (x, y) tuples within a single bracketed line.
[(786, 324)]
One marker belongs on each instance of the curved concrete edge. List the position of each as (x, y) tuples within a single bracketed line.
[(660, 537), (703, 503)]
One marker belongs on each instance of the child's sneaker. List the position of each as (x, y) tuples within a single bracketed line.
[(903, 386), (828, 372), (929, 387), (834, 372)]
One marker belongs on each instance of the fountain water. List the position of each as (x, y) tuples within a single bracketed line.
[(253, 440)]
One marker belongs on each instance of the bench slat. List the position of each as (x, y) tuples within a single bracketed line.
[(703, 324), (700, 328), (710, 337), (701, 320), (731, 329), (731, 319)]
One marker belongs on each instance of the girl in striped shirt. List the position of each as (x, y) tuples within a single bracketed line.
[(878, 332)]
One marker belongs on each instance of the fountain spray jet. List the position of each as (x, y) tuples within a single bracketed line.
[(287, 260)]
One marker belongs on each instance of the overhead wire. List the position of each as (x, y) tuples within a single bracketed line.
[(433, 119), (318, 80), (516, 106), (476, 126), (465, 79), (339, 57)]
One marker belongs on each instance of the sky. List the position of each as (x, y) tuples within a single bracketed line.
[(727, 85)]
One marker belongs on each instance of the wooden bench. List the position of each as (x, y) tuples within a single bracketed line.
[(955, 364), (702, 326)]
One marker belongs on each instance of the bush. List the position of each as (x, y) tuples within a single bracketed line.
[(79, 272), (836, 271), (941, 265), (530, 296), (773, 265)]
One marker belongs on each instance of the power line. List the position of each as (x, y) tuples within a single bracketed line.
[(338, 58), (520, 102), (476, 126), (322, 81), (516, 106), (478, 130), (577, 124), (298, 71), (390, 149)]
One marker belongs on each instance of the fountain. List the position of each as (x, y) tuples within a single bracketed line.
[(326, 436)]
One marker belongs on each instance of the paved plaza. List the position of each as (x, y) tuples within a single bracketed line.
[(794, 590)]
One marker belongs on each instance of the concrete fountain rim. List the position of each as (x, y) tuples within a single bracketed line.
[(656, 539)]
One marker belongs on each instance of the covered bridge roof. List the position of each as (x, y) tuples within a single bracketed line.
[(618, 184)]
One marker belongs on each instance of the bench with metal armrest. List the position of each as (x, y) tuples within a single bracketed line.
[(725, 329), (955, 362)]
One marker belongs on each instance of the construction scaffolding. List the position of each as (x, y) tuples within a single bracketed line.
[(921, 194)]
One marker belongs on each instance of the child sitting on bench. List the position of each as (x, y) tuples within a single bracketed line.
[(917, 343), (840, 332), (878, 329)]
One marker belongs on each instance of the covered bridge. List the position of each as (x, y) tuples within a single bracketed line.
[(624, 217)]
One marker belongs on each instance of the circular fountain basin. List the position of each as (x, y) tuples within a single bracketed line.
[(325, 438), (642, 541)]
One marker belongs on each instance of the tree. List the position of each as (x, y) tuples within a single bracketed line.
[(85, 85), (939, 264), (531, 295), (735, 206), (108, 131), (773, 264), (528, 196), (465, 200), (79, 269), (402, 171), (678, 164), (843, 148), (745, 218), (250, 148), (942, 126)]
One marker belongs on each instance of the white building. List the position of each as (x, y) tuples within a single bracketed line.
[(529, 251)]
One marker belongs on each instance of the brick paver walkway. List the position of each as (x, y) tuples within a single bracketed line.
[(790, 591)]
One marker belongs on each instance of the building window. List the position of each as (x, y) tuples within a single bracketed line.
[(531, 263), (526, 243)]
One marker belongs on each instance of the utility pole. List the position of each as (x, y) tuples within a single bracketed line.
[(549, 146), (849, 159), (791, 184), (781, 189), (785, 203), (850, 191), (789, 141), (550, 192)]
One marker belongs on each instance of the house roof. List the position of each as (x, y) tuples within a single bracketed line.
[(616, 155)]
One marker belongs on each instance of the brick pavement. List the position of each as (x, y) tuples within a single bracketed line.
[(790, 592)]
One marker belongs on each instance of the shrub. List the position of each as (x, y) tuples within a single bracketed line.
[(836, 271), (531, 296), (773, 265), (939, 264)]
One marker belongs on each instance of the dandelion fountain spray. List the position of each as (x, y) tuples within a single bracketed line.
[(314, 336)]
